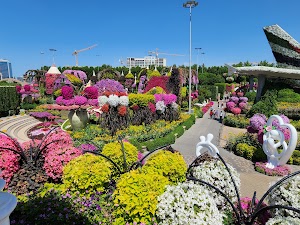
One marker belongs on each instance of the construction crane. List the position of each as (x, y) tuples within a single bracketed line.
[(161, 53), (81, 50)]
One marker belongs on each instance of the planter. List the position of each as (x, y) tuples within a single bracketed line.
[(8, 202), (78, 118)]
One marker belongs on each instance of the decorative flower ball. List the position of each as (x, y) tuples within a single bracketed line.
[(257, 121), (230, 105), (236, 111), (124, 100), (113, 100), (67, 92), (242, 105), (160, 106), (234, 99), (102, 100)]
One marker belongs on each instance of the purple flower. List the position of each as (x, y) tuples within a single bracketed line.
[(67, 92), (59, 100), (242, 105), (230, 105), (243, 99), (93, 102), (169, 98), (234, 99), (109, 85), (68, 102), (257, 121), (80, 100), (41, 115), (89, 147)]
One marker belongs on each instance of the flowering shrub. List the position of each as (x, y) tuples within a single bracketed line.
[(87, 172), (141, 100), (136, 197), (50, 78), (286, 194), (78, 73), (170, 165), (277, 171), (113, 100), (67, 92), (80, 100), (157, 81), (160, 106), (236, 104), (41, 115), (236, 111), (230, 105), (28, 91), (9, 164), (187, 203), (114, 152), (87, 147), (211, 172), (257, 122), (278, 220), (109, 85), (57, 158), (91, 92), (207, 106), (246, 207)]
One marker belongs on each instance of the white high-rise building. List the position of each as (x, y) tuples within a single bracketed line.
[(145, 62)]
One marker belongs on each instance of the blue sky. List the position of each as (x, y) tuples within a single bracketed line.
[(227, 31)]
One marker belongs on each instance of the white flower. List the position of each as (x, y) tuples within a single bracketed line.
[(113, 100), (187, 203), (124, 100), (278, 220), (215, 173), (174, 105), (286, 194), (102, 100), (160, 106)]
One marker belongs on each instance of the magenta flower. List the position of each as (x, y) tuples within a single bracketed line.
[(67, 92), (80, 100)]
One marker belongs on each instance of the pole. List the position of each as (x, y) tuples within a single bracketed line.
[(190, 4)]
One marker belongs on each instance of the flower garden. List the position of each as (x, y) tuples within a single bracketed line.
[(109, 160)]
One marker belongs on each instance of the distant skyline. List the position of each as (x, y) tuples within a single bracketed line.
[(227, 31)]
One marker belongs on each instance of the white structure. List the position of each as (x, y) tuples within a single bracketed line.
[(146, 62), (8, 203), (205, 143), (53, 70), (273, 139)]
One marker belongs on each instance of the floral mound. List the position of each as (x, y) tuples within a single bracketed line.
[(277, 171), (187, 203)]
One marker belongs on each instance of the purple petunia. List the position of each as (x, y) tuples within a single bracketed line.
[(80, 100), (257, 121), (109, 85)]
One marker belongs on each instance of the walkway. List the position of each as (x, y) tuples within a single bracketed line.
[(17, 126), (250, 179)]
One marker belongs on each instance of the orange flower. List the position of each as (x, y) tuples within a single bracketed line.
[(122, 110), (105, 108)]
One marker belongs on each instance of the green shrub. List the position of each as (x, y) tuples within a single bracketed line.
[(296, 157), (183, 92), (184, 104), (288, 95), (114, 152), (28, 106), (170, 165), (221, 88), (154, 73), (198, 112), (251, 96), (87, 172), (129, 76), (296, 124), (245, 150), (141, 100), (136, 196), (208, 91), (259, 155), (267, 105), (236, 121), (156, 90), (9, 98)]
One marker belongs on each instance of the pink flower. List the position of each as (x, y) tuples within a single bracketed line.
[(269, 128)]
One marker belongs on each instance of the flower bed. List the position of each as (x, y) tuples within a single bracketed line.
[(277, 171)]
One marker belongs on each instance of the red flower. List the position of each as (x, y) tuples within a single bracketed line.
[(151, 106), (122, 110), (135, 107), (105, 108)]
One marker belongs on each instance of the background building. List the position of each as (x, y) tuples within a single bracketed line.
[(5, 69), (146, 61)]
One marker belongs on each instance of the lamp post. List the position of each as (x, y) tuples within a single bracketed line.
[(190, 5)]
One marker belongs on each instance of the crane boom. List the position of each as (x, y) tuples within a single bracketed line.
[(161, 53), (75, 53)]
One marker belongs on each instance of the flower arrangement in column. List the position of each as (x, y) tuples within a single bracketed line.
[(166, 106), (237, 105)]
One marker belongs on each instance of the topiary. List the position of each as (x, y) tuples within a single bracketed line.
[(87, 172), (114, 152), (141, 100), (245, 150), (136, 196), (170, 165)]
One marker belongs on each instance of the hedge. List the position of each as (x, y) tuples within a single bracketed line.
[(167, 139), (212, 89), (9, 98)]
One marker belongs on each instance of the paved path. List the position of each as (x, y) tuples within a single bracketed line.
[(17, 126), (250, 179)]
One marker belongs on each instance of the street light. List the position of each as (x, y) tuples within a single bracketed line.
[(190, 5), (53, 51)]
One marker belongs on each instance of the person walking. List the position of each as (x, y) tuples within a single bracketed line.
[(221, 116), (211, 113)]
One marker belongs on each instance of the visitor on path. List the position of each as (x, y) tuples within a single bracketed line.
[(216, 114), (211, 113), (221, 116)]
